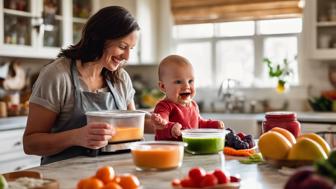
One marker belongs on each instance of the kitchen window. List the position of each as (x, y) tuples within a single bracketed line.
[(235, 50)]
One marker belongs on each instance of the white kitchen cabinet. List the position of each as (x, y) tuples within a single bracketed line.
[(314, 127), (25, 32), (12, 156), (320, 29)]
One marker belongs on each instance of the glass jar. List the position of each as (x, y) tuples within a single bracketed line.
[(285, 120)]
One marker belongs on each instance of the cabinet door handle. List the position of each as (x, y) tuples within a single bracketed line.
[(17, 143)]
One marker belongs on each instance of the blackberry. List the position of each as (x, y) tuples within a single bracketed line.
[(249, 141), (240, 145), (229, 139), (248, 137), (244, 145)]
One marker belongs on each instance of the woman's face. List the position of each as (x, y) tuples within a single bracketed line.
[(117, 51)]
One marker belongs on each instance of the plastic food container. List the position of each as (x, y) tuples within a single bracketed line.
[(129, 125), (204, 141), (157, 155)]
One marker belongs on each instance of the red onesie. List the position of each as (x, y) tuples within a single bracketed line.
[(187, 116)]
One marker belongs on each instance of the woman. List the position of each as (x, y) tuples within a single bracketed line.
[(85, 77)]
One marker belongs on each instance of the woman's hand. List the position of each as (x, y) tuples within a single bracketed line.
[(95, 135), (158, 122)]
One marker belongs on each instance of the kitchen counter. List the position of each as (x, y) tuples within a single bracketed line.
[(11, 123), (69, 172)]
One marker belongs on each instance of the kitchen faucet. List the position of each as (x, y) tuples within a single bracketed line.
[(232, 102)]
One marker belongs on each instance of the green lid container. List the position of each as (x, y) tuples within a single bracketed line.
[(204, 141)]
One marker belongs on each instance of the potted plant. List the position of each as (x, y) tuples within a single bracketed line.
[(281, 72)]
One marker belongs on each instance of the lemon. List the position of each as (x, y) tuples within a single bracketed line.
[(306, 149), (317, 139)]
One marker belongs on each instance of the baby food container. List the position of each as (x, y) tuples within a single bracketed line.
[(204, 141), (157, 155), (129, 125)]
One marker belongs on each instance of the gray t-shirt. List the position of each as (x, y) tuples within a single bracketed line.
[(54, 90)]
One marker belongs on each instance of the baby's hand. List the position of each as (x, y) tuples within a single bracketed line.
[(176, 130), (158, 122), (221, 125)]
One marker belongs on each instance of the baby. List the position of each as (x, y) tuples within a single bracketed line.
[(178, 110)]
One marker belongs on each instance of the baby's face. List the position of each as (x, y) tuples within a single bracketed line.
[(178, 84)]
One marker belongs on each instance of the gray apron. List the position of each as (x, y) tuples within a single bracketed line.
[(86, 101)]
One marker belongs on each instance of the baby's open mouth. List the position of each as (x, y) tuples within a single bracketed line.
[(185, 95)]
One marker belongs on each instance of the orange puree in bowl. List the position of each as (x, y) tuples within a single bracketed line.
[(127, 133), (158, 156)]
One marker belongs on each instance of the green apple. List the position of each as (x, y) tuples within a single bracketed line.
[(3, 182)]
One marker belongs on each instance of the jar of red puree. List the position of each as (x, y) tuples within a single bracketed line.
[(286, 120)]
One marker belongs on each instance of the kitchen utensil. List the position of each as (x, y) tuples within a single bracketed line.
[(157, 155)]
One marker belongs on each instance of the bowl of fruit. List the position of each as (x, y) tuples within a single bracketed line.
[(280, 148), (198, 178)]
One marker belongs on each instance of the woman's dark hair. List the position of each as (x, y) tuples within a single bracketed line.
[(109, 23)]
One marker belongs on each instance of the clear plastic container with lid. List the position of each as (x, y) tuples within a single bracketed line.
[(129, 125), (285, 120), (157, 155), (204, 141)]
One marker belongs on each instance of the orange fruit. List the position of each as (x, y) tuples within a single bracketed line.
[(105, 174), (274, 145), (129, 181), (81, 183), (285, 133), (112, 185), (116, 179), (91, 183)]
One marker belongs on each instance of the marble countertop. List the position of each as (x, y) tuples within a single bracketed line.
[(68, 172), (11, 123)]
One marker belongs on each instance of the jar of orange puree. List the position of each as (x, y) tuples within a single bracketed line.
[(285, 120)]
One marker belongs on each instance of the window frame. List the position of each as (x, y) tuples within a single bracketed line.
[(258, 46)]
